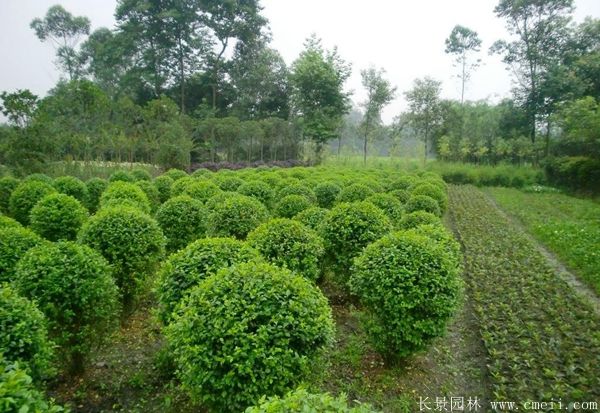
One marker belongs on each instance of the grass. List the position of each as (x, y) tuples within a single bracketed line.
[(568, 226), (542, 340)]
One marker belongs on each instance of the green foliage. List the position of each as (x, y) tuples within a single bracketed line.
[(39, 178), (121, 176), (14, 243), (18, 394), (151, 193), (301, 400), (259, 190), (349, 228), (404, 182), (125, 191), (175, 174), (180, 185), (410, 289), (24, 198), (259, 340), (433, 191), (70, 185), (401, 195), (200, 190), (388, 204), (443, 238), (297, 188), (326, 193), (574, 172), (95, 188), (6, 222), (24, 334), (423, 203), (236, 216), (140, 174), (228, 183), (163, 183), (72, 285), (312, 217), (292, 205), (198, 261), (58, 217), (414, 219), (130, 240), (216, 200), (7, 186), (289, 244), (182, 220), (354, 193)]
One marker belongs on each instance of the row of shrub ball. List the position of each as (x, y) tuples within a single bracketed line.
[(237, 258)]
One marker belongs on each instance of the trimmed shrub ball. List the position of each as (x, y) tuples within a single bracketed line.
[(151, 193), (182, 220), (228, 183), (180, 185), (121, 176), (176, 174), (443, 238), (215, 201), (289, 244), (354, 193), (348, 229), (38, 178), (432, 191), (201, 173), (140, 174), (201, 190), (70, 185), (131, 241), (414, 219), (58, 217), (163, 183), (388, 204), (410, 290), (405, 182), (300, 400), (327, 193), (14, 243), (297, 189), (95, 188), (199, 260), (6, 222), (72, 285), (401, 195), (423, 203), (259, 340), (236, 217), (25, 196), (258, 190), (292, 205), (24, 334), (312, 217), (125, 191), (7, 186)]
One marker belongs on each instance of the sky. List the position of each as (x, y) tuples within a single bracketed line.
[(404, 37)]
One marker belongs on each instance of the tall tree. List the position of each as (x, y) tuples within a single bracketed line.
[(19, 106), (380, 93), (65, 31), (424, 108), (540, 29), (461, 43), (318, 95)]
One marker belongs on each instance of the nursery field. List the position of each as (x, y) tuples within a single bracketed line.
[(320, 289)]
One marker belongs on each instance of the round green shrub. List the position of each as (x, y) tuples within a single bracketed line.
[(180, 185), (291, 205), (176, 174), (354, 193), (196, 262), (182, 220), (14, 243), (410, 290), (405, 182), (38, 178), (423, 203), (401, 195), (312, 217), (201, 173), (300, 400), (297, 189), (70, 185), (7, 186), (259, 340), (140, 174), (58, 217), (289, 244), (443, 238), (72, 285), (216, 200), (25, 196), (6, 222), (228, 183), (125, 191), (121, 176), (201, 190), (432, 191), (258, 190), (349, 228), (326, 193), (24, 334), (130, 240), (388, 204), (236, 217), (163, 184), (151, 193), (95, 188), (414, 219)]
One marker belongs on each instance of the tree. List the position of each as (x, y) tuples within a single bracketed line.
[(424, 108), (461, 42), (541, 30), (318, 98), (19, 106), (64, 30), (379, 93)]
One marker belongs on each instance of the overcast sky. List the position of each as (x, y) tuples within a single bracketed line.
[(406, 38)]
